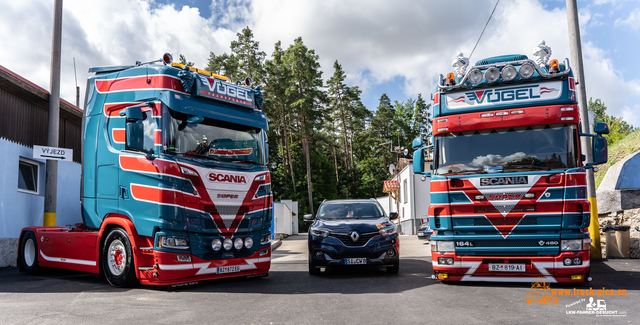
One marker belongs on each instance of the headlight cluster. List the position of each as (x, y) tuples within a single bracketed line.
[(265, 239), (575, 244), (572, 261), (173, 242), (227, 244), (445, 260), (388, 231), (443, 246), (322, 233), (508, 73)]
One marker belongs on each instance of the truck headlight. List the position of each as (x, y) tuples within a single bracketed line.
[(571, 245), (388, 231), (322, 233), (248, 243), (216, 244), (238, 243), (227, 244), (445, 246), (173, 242)]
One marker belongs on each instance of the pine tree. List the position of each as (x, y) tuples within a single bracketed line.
[(249, 57), (184, 61)]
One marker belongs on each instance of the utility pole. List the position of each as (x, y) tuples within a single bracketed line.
[(576, 57), (51, 179)]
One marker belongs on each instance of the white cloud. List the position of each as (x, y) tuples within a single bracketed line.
[(375, 41), (633, 21)]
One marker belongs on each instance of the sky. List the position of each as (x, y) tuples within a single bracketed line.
[(394, 47)]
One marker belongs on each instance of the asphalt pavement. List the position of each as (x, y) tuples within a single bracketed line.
[(361, 295)]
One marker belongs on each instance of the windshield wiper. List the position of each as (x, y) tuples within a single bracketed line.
[(466, 171), (531, 167), (186, 154), (245, 161)]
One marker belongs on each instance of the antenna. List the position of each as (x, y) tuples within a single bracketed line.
[(75, 74)]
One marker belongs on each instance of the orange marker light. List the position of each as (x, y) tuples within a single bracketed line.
[(554, 66), (451, 79)]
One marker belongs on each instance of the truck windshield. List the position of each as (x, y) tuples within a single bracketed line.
[(541, 147), (211, 139)]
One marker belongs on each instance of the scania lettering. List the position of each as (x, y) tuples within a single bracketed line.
[(175, 185), (508, 180)]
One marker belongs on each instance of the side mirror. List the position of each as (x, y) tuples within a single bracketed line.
[(308, 217), (418, 160), (601, 128), (599, 148), (195, 119), (417, 142), (393, 215), (134, 128)]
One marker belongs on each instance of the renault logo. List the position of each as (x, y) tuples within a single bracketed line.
[(354, 235)]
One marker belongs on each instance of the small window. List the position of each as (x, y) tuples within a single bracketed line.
[(406, 195), (28, 177)]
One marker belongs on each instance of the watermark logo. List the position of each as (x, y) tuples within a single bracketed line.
[(540, 292)]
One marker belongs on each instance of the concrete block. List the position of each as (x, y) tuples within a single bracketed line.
[(8, 251)]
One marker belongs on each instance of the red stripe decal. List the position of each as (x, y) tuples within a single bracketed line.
[(155, 82), (144, 165), (156, 195), (119, 135)]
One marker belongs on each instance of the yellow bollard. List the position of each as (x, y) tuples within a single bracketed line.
[(50, 220), (594, 231)]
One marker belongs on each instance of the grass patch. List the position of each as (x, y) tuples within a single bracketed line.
[(617, 152)]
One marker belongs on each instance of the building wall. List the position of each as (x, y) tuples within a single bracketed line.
[(19, 209)]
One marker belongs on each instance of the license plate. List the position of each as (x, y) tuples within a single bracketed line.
[(508, 267), (354, 261), (228, 269), (420, 234)]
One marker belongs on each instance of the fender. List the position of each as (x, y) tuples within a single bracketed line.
[(116, 219)]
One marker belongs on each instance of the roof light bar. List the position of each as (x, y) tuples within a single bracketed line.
[(509, 73)]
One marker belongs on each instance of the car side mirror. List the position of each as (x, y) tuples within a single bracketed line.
[(308, 217), (393, 215)]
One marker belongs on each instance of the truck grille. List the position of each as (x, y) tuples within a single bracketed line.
[(504, 208), (499, 221), (209, 224), (507, 243)]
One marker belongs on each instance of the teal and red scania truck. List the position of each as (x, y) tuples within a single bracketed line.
[(175, 185), (508, 182)]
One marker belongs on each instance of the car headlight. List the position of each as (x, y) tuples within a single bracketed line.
[(571, 245), (227, 243), (248, 243), (388, 231), (173, 242), (238, 243), (265, 240), (317, 232), (445, 246), (216, 244)]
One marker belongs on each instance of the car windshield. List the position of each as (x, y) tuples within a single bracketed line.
[(211, 139), (542, 147), (351, 210)]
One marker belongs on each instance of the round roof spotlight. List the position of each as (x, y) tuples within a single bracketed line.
[(492, 74), (509, 73), (475, 76), (167, 59), (526, 70), (248, 82)]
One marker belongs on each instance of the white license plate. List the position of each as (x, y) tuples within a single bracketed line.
[(420, 234), (508, 267), (354, 261), (228, 269)]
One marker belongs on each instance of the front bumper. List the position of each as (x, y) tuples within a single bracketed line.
[(332, 252), (167, 270), (476, 268)]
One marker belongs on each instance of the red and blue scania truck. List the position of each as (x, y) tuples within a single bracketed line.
[(175, 185), (508, 182)]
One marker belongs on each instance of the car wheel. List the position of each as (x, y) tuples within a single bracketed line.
[(117, 259), (313, 269), (395, 268), (28, 259)]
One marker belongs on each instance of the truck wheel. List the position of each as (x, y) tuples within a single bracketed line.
[(28, 259), (393, 269), (313, 269), (117, 259)]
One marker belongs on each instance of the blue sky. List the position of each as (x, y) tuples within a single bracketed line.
[(385, 47)]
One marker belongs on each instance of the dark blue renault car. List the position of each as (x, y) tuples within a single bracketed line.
[(352, 232)]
